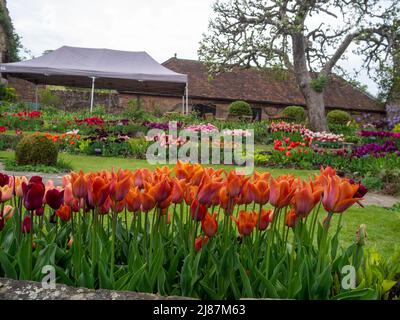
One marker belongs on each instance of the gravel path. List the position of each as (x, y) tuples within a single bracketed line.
[(371, 199)]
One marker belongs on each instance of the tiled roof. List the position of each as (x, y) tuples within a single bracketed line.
[(267, 86)]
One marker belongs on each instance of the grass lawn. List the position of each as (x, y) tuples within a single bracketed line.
[(383, 226)]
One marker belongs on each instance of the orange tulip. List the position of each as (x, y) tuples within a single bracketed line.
[(339, 194), (246, 222), (133, 200), (160, 191), (281, 192), (223, 198), (209, 225), (208, 192), (177, 191), (249, 193), (234, 185), (265, 219), (147, 202), (79, 184), (119, 189), (98, 191), (291, 218), (262, 194), (304, 200)]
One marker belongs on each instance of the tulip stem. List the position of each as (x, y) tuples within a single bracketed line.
[(314, 221), (114, 227)]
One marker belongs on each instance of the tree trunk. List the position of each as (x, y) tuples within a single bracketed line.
[(314, 99), (316, 109)]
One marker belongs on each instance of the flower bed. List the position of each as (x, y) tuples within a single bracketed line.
[(192, 231)]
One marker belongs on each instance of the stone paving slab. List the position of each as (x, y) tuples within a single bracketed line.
[(28, 290)]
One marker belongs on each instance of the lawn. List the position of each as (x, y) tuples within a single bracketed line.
[(383, 226)]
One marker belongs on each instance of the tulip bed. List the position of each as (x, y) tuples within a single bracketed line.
[(190, 231)]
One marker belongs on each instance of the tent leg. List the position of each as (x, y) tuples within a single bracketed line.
[(36, 97), (183, 104), (187, 98), (92, 96)]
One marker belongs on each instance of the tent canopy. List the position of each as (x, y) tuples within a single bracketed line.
[(123, 71)]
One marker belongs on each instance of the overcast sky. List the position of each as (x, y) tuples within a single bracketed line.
[(160, 27)]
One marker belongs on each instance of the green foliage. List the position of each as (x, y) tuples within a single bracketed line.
[(12, 38), (7, 93), (9, 141), (319, 83), (35, 150), (62, 166), (48, 98), (139, 148), (297, 113), (240, 108), (338, 117), (134, 110)]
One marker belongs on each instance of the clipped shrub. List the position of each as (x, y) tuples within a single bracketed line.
[(36, 150), (240, 108), (338, 117), (297, 113)]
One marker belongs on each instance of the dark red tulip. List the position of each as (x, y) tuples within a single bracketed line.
[(36, 179), (39, 212), (4, 180), (53, 218), (55, 198), (26, 225), (33, 195)]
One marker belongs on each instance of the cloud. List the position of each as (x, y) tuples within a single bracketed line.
[(160, 27)]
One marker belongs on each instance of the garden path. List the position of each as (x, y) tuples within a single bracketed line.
[(371, 199)]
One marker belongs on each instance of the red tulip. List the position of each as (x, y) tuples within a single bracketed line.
[(200, 241), (33, 195), (4, 179), (64, 213), (198, 211), (26, 225), (54, 198)]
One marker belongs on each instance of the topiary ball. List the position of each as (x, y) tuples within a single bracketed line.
[(338, 117), (297, 113), (35, 150), (240, 108)]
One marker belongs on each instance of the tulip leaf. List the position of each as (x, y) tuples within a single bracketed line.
[(7, 266), (248, 291), (135, 278), (104, 279), (387, 285), (357, 294)]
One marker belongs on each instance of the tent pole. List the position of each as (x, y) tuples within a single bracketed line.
[(36, 97), (92, 96), (183, 104), (187, 98)]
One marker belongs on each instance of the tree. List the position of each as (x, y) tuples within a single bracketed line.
[(307, 37)]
